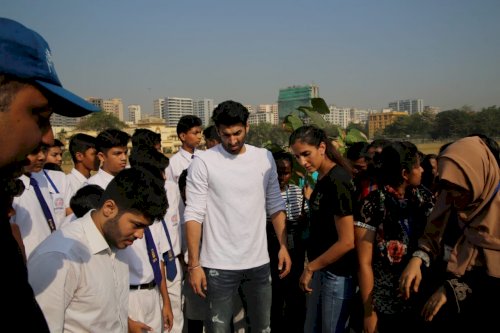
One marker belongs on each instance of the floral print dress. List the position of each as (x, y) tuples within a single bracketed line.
[(398, 223)]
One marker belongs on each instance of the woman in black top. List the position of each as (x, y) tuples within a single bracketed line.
[(332, 264)]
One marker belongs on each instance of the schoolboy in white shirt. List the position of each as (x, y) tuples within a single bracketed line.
[(112, 151)]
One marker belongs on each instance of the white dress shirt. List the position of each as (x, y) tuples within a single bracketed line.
[(29, 213), (79, 282), (137, 256), (178, 162), (174, 215), (75, 181), (101, 178), (145, 305)]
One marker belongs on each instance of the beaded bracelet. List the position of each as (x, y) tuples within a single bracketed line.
[(423, 256), (194, 267)]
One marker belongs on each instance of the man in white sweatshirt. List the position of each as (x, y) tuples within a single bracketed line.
[(230, 189)]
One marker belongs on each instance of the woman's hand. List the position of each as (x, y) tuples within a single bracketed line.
[(411, 276), (305, 280), (434, 304)]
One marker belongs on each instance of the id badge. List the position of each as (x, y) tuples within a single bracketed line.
[(59, 208)]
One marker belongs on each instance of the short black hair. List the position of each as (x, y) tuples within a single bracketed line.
[(110, 138), (134, 190), (186, 123), (149, 159), (358, 150), (80, 143), (85, 199), (283, 155), (230, 113), (145, 137), (210, 133), (57, 143)]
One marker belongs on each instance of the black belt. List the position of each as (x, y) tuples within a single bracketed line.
[(149, 285)]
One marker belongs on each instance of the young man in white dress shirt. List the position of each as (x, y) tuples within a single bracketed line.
[(84, 156), (143, 143), (112, 151), (149, 302), (189, 132), (34, 220), (78, 280)]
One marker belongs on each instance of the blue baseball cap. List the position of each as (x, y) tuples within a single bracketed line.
[(24, 54)]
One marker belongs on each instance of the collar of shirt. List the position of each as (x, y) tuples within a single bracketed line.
[(26, 181), (96, 240), (43, 181), (78, 175), (187, 155)]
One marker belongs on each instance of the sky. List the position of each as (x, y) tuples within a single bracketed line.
[(361, 53)]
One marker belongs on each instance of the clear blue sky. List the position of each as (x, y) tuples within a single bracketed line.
[(362, 54)]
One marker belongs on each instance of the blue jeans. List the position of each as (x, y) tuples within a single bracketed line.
[(223, 284), (329, 304)]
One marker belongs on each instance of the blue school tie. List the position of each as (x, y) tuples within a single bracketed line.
[(168, 257), (43, 204), (153, 256)]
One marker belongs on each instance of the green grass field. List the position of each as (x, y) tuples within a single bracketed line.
[(430, 147)]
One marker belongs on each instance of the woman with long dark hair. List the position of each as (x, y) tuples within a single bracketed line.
[(331, 266), (390, 222)]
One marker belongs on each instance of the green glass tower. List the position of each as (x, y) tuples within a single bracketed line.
[(291, 98)]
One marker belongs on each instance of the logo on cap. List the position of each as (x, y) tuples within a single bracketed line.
[(48, 59)]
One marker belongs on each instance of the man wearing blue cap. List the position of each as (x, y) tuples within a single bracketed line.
[(29, 92)]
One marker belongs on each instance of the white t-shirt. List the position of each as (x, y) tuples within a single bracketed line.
[(230, 195), (79, 282)]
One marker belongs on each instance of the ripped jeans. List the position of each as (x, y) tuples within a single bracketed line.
[(223, 284)]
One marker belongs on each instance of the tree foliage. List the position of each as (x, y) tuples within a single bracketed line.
[(99, 121), (267, 135), (447, 124)]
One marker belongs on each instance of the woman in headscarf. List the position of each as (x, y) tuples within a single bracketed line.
[(469, 180)]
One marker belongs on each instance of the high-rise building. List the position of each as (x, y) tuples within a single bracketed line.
[(158, 107), (175, 108), (359, 116), (250, 108), (97, 101), (267, 113), (411, 106), (380, 120), (204, 109), (291, 98), (272, 108), (113, 106), (134, 112), (338, 116), (57, 120)]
